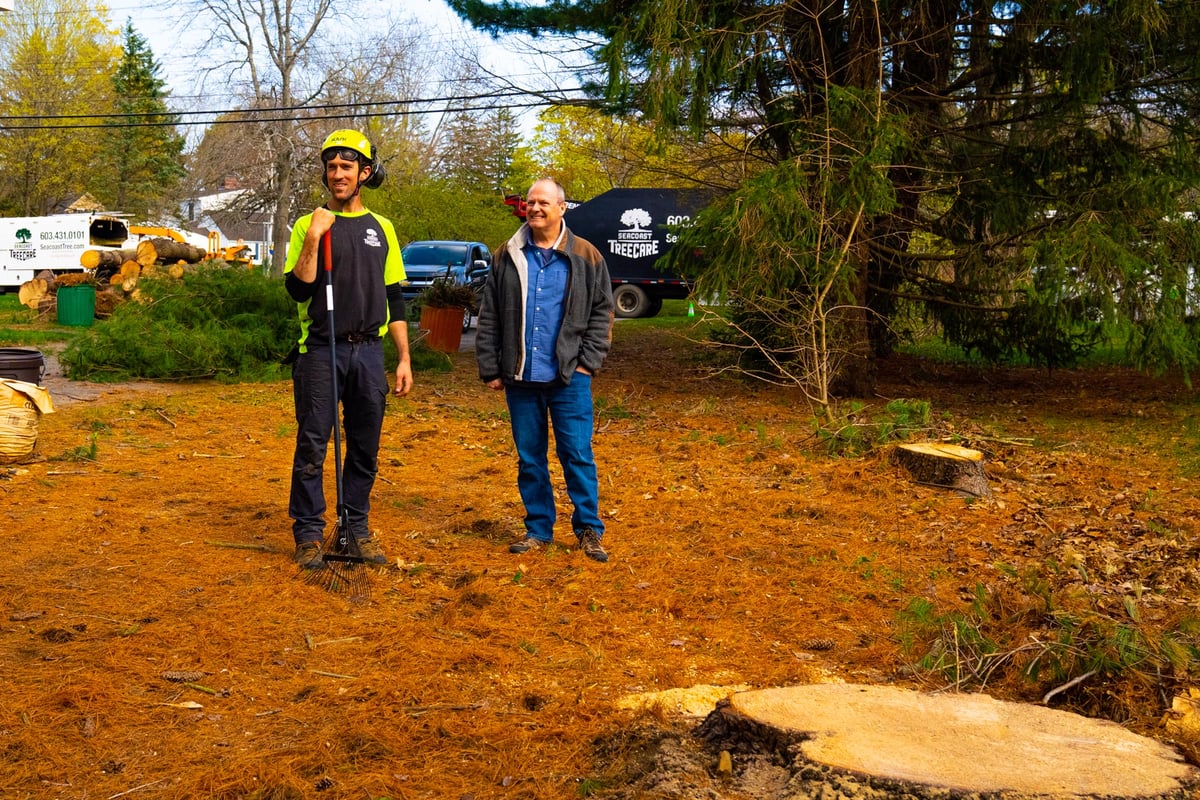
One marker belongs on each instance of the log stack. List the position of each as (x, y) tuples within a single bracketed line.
[(122, 269), (115, 272), (168, 251)]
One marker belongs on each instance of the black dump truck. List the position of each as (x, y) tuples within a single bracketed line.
[(633, 229)]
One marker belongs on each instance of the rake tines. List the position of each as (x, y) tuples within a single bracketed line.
[(347, 577), (345, 571)]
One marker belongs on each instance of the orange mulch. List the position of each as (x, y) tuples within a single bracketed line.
[(156, 641)]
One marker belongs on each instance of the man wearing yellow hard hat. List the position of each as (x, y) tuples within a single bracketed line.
[(340, 358)]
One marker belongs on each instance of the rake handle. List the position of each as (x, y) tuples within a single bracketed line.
[(327, 253)]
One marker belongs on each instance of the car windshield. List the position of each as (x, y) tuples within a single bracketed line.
[(435, 254)]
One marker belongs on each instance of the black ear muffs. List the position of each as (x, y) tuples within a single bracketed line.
[(375, 179)]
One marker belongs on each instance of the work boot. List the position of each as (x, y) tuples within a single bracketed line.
[(308, 555), (526, 545), (371, 551), (589, 542)]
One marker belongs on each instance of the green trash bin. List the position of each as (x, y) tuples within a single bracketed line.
[(76, 304)]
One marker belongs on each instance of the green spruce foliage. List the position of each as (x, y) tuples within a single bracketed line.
[(215, 322), (144, 160), (1025, 144), (1020, 628)]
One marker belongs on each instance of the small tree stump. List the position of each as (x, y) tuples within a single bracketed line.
[(945, 465), (921, 745), (31, 292)]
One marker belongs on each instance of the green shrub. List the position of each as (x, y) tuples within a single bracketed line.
[(848, 429), (223, 323), (1019, 627)]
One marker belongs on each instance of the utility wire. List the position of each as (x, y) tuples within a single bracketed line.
[(284, 113), (548, 101), (497, 94)]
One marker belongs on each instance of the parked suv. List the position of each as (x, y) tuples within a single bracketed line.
[(467, 263)]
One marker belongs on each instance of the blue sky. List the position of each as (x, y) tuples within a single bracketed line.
[(180, 44), (176, 43)]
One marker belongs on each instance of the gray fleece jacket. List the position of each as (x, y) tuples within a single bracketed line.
[(586, 332)]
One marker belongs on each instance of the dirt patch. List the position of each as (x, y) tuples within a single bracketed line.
[(151, 541), (66, 392)]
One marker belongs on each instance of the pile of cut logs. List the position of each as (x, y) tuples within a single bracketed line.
[(150, 252), (115, 274)]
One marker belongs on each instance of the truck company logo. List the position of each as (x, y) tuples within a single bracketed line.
[(23, 250), (635, 241)]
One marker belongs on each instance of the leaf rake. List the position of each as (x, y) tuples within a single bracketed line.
[(345, 571), (344, 568)]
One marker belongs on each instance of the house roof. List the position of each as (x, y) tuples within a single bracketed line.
[(80, 203), (235, 225)]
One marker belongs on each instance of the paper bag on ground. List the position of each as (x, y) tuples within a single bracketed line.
[(21, 404)]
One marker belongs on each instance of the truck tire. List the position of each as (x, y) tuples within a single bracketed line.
[(466, 320), (630, 301)]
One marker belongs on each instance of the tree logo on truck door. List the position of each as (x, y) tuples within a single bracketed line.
[(635, 241), (23, 251)]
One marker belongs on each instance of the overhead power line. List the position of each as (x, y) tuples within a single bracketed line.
[(409, 101), (473, 102)]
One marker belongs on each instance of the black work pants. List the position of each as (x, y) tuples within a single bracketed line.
[(362, 390)]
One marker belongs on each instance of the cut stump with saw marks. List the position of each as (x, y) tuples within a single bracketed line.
[(947, 466), (925, 744)]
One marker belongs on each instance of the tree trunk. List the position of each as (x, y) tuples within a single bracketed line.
[(150, 251), (944, 465), (106, 259), (281, 224)]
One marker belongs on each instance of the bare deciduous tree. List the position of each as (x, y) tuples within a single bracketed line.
[(268, 42)]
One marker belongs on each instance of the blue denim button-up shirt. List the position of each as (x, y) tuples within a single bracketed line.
[(547, 289)]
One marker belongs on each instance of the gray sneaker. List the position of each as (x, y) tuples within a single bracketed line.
[(589, 542), (526, 545)]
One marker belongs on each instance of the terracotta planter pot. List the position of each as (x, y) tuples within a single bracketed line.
[(444, 326)]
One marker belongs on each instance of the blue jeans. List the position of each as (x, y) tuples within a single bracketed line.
[(362, 391), (569, 409)]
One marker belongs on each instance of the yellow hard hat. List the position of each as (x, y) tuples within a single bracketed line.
[(350, 140)]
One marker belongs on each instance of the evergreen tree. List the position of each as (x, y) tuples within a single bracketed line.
[(462, 155), (144, 148), (1015, 169), (479, 150), (499, 156)]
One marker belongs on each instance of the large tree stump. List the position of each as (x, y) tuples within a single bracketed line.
[(921, 745), (945, 465)]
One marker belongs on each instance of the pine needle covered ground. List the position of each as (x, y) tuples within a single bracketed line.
[(156, 641)]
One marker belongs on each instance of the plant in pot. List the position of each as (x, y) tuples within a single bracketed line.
[(445, 306)]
